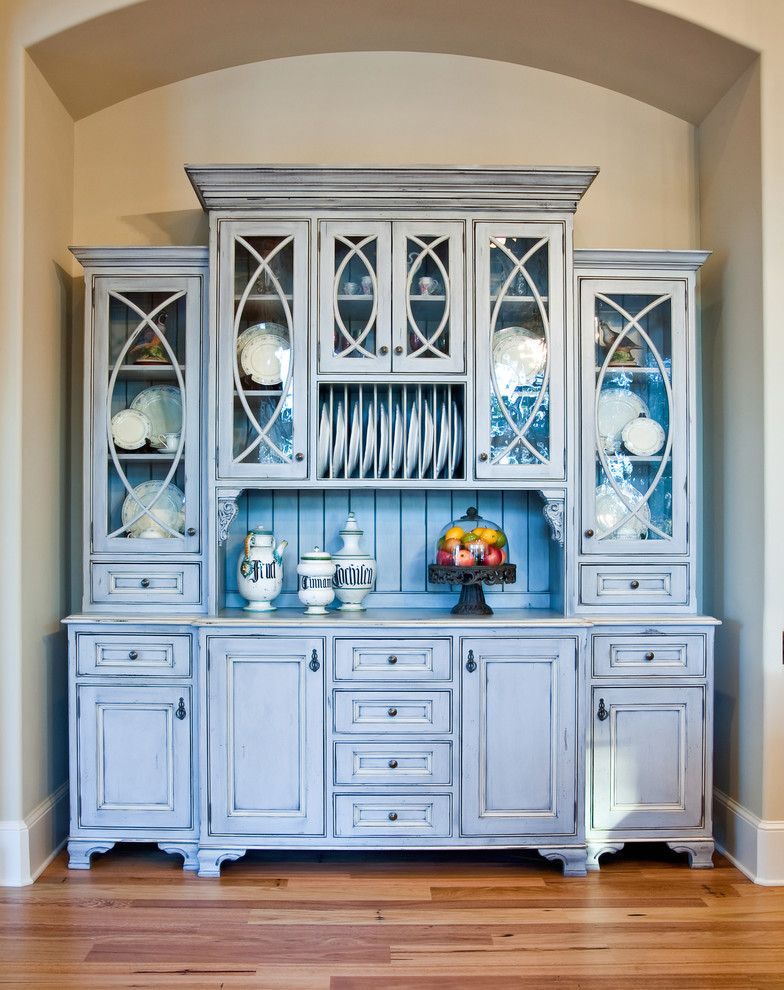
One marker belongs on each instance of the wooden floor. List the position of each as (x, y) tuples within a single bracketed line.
[(393, 922)]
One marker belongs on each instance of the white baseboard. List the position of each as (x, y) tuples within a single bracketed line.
[(755, 846), (29, 845)]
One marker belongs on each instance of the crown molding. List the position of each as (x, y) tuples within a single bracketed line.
[(148, 258), (606, 258)]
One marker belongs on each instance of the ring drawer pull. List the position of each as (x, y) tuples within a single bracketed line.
[(145, 582), (634, 585), (602, 713), (391, 712), (650, 656), (181, 713), (392, 816), (133, 655), (392, 764), (314, 661), (392, 659), (471, 664)]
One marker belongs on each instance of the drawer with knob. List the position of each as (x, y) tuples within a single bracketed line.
[(393, 712), (634, 585), (393, 815), (145, 584), (358, 763), (648, 655), (133, 654), (392, 660)]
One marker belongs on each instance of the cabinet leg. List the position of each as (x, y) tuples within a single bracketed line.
[(572, 857), (597, 849), (700, 852), (210, 860), (80, 851), (188, 851)]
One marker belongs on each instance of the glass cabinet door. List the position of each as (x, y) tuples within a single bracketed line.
[(145, 415), (355, 297), (634, 421), (519, 350), (262, 362), (428, 297)]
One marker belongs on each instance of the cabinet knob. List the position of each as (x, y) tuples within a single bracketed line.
[(398, 349), (589, 533), (634, 585), (392, 659), (191, 531), (133, 655), (145, 582), (602, 713), (392, 764), (383, 349), (299, 456), (391, 712), (650, 656), (483, 456), (392, 816)]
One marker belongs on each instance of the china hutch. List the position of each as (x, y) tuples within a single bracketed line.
[(401, 343)]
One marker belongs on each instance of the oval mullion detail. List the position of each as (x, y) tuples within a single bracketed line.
[(428, 249), (355, 250)]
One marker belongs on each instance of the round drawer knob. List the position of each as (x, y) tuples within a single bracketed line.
[(634, 585), (392, 764), (392, 816), (145, 582), (398, 349), (589, 533), (483, 456), (391, 712), (191, 531), (133, 655), (299, 456), (383, 349), (392, 659), (650, 656)]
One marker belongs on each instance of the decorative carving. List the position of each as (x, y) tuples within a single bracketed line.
[(188, 851), (80, 851), (472, 598), (573, 859), (210, 860), (700, 852), (597, 849), (227, 510), (554, 514)]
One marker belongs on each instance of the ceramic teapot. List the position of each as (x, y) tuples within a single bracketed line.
[(260, 570)]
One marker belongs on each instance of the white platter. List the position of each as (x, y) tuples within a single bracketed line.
[(443, 439), (616, 408), (162, 404), (519, 355), (261, 330), (428, 440), (396, 455), (354, 439), (457, 439), (383, 439), (643, 436), (168, 509), (131, 429), (370, 447), (611, 509), (412, 447), (339, 450), (265, 360), (323, 442)]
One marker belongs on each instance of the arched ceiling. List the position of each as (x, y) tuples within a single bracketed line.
[(622, 45)]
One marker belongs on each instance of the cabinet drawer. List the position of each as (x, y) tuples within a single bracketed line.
[(393, 763), (635, 585), (393, 815), (401, 712), (133, 653), (651, 656), (393, 659), (143, 584)]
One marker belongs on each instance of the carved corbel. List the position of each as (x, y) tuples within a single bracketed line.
[(554, 514), (227, 510)]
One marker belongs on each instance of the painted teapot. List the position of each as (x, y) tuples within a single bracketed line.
[(260, 570)]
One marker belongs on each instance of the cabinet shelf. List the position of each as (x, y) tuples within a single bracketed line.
[(517, 299), (152, 371), (629, 369), (261, 297), (146, 457)]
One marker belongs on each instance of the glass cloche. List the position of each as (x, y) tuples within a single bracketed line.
[(472, 540)]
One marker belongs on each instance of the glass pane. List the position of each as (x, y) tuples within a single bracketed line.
[(633, 416), (263, 354), (520, 351), (355, 305), (145, 415), (427, 296)]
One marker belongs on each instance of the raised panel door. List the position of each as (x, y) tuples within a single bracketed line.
[(266, 736), (519, 773), (134, 757)]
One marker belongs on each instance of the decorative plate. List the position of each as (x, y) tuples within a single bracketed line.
[(169, 509), (396, 455), (616, 408), (383, 440), (643, 436), (131, 429), (457, 439), (353, 440), (443, 440), (264, 357), (427, 441), (261, 330), (412, 447), (162, 405), (323, 442), (339, 450), (613, 509), (370, 447), (519, 355)]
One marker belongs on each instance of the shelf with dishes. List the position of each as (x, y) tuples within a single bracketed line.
[(147, 371), (264, 297), (152, 419), (506, 298), (391, 432)]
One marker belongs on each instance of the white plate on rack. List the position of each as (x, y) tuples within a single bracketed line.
[(457, 439), (323, 442), (617, 407), (168, 510), (613, 509), (383, 439), (396, 454), (131, 429), (412, 447), (428, 439), (354, 437), (339, 449), (162, 405), (370, 445), (443, 440)]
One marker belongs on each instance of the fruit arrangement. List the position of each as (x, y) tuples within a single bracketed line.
[(472, 541)]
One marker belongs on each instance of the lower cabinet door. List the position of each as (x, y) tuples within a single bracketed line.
[(519, 764), (648, 758), (134, 757), (266, 736)]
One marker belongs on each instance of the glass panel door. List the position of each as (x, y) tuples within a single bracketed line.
[(519, 362), (355, 293), (635, 429), (145, 415), (428, 297), (263, 358)]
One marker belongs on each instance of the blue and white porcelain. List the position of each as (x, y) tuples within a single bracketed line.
[(355, 571), (260, 570)]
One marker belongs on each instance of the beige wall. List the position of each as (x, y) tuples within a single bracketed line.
[(383, 108)]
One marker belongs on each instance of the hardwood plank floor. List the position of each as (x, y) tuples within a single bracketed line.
[(301, 921)]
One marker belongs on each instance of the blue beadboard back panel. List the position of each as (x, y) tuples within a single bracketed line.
[(401, 528)]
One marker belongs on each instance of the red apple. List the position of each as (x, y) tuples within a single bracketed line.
[(444, 559), (493, 557), (464, 558)]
